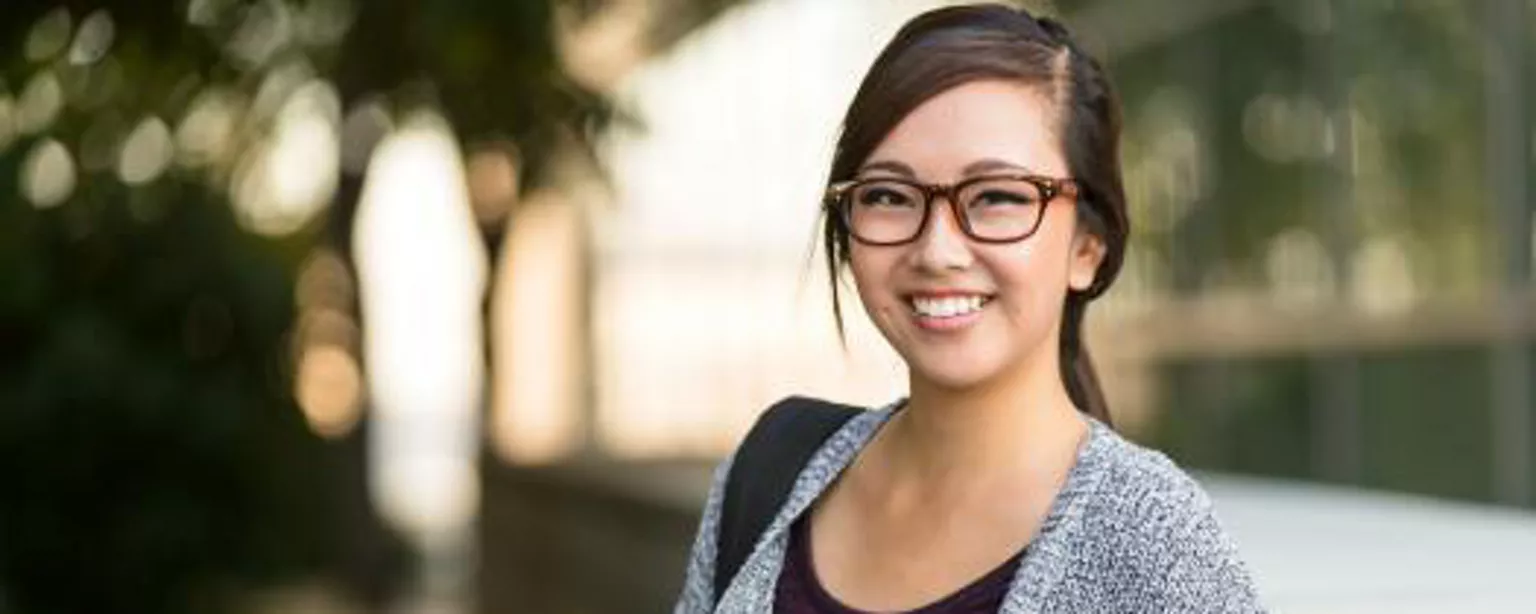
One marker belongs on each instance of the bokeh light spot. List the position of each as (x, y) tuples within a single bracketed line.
[(1298, 267), (7, 122), (48, 174), (324, 283), (329, 387), (265, 29), (492, 183), (146, 152), (1381, 278), (40, 103), (94, 38), (207, 130), (48, 36), (206, 13), (281, 185)]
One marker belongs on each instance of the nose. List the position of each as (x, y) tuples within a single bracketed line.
[(942, 246)]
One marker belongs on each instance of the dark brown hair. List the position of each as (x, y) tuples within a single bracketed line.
[(948, 47)]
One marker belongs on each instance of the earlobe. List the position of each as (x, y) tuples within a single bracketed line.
[(1087, 252)]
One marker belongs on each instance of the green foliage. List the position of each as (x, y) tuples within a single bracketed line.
[(152, 457), (1404, 92)]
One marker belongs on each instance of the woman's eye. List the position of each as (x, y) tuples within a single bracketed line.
[(993, 198), (884, 197)]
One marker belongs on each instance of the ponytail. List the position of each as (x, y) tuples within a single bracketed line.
[(1077, 370)]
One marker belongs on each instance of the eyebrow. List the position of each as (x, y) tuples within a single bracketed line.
[(988, 165), (982, 166), (890, 166)]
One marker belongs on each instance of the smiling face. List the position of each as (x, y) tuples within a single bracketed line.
[(962, 312)]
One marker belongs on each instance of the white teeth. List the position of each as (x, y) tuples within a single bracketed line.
[(946, 307)]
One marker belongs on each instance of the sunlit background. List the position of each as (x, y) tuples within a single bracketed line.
[(397, 306)]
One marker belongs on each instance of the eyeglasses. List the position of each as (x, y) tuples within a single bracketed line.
[(989, 209)]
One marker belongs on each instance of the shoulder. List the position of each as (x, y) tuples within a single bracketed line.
[(1145, 489), (794, 449), (1150, 532)]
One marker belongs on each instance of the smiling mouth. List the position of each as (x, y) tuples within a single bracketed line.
[(951, 306)]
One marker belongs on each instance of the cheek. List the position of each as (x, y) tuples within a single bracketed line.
[(860, 269), (1034, 277), (871, 272)]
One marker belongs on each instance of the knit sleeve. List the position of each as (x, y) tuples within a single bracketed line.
[(1153, 542), (699, 581), (1205, 572)]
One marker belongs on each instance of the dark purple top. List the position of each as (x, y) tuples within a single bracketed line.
[(800, 592)]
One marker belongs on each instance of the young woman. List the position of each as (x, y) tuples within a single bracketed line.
[(976, 200)]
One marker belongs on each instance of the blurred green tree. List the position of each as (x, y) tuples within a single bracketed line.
[(152, 458)]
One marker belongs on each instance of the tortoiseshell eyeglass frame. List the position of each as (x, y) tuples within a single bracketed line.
[(836, 202)]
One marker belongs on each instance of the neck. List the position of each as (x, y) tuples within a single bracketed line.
[(1023, 422)]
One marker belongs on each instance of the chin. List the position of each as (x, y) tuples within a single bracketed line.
[(954, 373)]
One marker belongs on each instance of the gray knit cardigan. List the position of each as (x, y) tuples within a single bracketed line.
[(1129, 532)]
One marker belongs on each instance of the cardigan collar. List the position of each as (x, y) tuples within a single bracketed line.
[(752, 590)]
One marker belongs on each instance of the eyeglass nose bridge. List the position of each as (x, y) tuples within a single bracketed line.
[(951, 193)]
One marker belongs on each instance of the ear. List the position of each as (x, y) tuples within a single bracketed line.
[(1088, 251)]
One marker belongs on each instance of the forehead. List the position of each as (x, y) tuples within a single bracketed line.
[(999, 120)]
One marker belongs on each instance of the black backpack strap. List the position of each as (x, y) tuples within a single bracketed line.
[(763, 472)]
